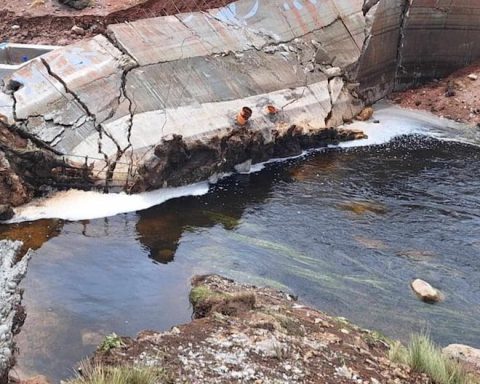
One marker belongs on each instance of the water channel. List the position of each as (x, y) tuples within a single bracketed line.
[(346, 229)]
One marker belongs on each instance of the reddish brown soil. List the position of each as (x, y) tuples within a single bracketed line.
[(456, 97), (49, 22)]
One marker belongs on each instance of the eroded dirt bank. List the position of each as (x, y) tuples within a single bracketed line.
[(178, 162), (456, 97), (49, 22), (244, 333), (27, 167)]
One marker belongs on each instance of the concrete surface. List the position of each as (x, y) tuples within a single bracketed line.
[(14, 56), (114, 99)]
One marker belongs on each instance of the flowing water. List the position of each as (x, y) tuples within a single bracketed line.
[(345, 229)]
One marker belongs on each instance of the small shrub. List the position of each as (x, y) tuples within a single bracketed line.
[(111, 341), (205, 301), (423, 356), (200, 293), (378, 337), (100, 374)]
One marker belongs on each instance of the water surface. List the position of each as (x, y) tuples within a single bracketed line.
[(346, 230)]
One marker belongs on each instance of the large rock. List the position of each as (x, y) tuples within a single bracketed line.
[(11, 273), (425, 291), (465, 354)]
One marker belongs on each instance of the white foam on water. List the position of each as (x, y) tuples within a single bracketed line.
[(81, 205), (393, 121)]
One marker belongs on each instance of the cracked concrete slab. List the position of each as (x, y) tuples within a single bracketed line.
[(209, 79), (64, 86), (115, 101), (378, 63), (171, 38), (301, 105), (6, 107), (239, 26)]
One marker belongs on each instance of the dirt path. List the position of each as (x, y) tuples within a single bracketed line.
[(457, 97), (49, 22)]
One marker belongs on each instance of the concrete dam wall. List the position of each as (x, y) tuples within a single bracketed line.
[(415, 41), (155, 103)]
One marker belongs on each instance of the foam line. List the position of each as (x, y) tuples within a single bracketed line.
[(393, 121), (81, 205)]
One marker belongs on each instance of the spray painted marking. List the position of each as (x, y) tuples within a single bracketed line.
[(297, 4), (229, 14), (188, 18)]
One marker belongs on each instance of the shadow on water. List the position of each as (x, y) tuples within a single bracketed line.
[(345, 230)]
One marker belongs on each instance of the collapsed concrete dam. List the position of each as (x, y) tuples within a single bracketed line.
[(156, 102)]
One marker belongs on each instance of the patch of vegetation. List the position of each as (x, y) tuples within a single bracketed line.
[(291, 325), (423, 356), (205, 301), (110, 342), (100, 374), (376, 336), (228, 222), (201, 293)]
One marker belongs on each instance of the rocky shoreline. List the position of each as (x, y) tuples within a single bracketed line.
[(242, 333), (12, 314)]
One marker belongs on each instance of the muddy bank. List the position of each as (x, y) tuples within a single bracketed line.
[(456, 97), (12, 314), (244, 333)]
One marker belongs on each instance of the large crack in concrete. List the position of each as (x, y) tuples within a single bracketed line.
[(109, 164), (404, 20), (314, 51)]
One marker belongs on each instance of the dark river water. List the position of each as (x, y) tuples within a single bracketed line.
[(346, 230)]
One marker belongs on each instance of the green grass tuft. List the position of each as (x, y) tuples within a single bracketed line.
[(110, 342), (423, 356), (99, 374), (200, 293)]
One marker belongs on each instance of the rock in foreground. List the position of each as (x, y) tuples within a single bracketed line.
[(248, 334), (11, 273), (464, 354)]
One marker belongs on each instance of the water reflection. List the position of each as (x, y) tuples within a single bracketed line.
[(160, 228), (32, 234)]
